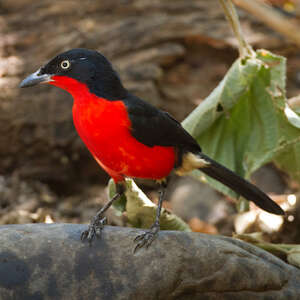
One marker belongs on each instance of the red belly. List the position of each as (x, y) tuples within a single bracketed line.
[(104, 127)]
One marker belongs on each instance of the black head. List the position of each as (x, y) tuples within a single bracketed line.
[(85, 66)]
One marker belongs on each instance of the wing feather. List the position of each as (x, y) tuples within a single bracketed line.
[(154, 127)]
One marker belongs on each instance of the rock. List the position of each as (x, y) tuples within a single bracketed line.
[(269, 179), (41, 261), (191, 198)]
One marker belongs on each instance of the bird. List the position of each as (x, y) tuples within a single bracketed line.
[(129, 137)]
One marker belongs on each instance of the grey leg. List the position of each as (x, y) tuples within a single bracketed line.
[(146, 238), (98, 221)]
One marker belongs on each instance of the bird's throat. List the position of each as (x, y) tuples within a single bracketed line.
[(78, 90)]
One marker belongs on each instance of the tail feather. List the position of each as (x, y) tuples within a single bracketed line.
[(240, 185)]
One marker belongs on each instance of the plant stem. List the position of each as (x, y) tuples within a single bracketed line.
[(232, 17), (272, 18), (272, 247)]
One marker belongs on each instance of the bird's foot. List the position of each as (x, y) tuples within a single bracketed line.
[(146, 238), (94, 229)]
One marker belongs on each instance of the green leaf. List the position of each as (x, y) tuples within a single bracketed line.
[(141, 211), (293, 256), (287, 155), (244, 123), (292, 251), (292, 117)]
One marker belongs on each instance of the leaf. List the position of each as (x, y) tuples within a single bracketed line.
[(243, 123), (292, 251), (293, 256), (140, 211), (287, 156), (292, 117)]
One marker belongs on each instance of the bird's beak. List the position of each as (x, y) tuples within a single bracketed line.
[(35, 78)]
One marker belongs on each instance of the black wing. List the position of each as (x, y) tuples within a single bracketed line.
[(154, 127)]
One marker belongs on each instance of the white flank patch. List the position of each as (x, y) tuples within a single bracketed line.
[(190, 162)]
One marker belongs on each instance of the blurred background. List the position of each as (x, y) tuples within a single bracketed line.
[(170, 53)]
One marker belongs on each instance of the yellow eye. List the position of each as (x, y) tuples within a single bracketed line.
[(65, 64)]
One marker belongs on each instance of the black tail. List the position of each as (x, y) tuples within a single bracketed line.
[(240, 186)]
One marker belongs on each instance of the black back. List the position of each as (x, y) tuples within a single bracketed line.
[(154, 127)]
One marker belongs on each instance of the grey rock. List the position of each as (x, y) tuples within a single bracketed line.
[(191, 198), (269, 179), (42, 261)]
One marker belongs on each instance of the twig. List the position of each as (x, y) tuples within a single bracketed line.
[(230, 12), (272, 18)]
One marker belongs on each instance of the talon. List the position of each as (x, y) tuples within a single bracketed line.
[(149, 243), (141, 243), (84, 235), (94, 229), (138, 246), (139, 237), (91, 233), (104, 221), (146, 238)]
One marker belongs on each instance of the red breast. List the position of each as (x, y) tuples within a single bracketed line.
[(104, 127)]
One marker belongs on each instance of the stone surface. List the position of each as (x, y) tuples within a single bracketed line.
[(41, 261)]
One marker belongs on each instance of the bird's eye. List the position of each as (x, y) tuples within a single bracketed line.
[(65, 64)]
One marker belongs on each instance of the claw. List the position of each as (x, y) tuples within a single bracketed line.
[(94, 229), (139, 246), (84, 235), (98, 222), (146, 238), (139, 237)]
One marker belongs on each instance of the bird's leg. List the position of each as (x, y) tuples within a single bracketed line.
[(98, 221), (146, 238)]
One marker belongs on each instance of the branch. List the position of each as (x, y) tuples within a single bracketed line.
[(232, 17), (272, 18), (48, 261)]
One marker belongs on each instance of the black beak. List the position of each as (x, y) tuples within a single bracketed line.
[(35, 78)]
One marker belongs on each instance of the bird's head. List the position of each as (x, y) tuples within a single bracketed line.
[(76, 67)]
